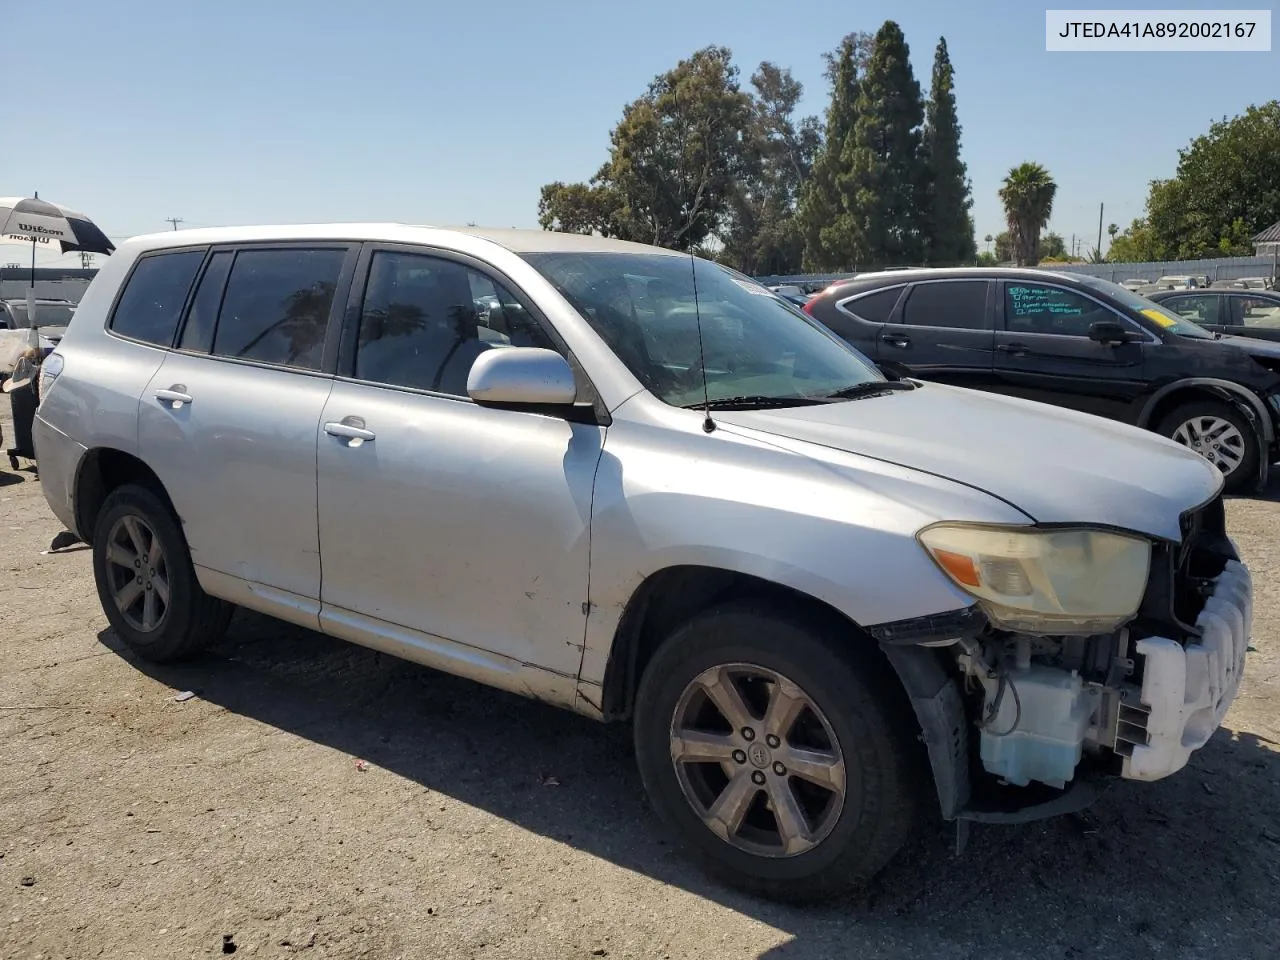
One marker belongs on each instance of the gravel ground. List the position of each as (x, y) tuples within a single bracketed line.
[(483, 825)]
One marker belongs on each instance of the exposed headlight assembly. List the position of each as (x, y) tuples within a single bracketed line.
[(1070, 581)]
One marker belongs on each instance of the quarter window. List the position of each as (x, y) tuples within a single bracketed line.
[(1037, 308), (874, 307), (276, 306), (954, 303), (425, 320), (152, 300)]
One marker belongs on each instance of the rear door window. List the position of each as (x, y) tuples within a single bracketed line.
[(1258, 312), (276, 306), (1202, 309), (153, 297), (961, 304)]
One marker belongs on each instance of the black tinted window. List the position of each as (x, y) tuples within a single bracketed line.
[(951, 303), (152, 300), (197, 334), (425, 320), (875, 307), (276, 306), (1036, 308)]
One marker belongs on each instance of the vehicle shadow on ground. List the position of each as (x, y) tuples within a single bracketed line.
[(1150, 869)]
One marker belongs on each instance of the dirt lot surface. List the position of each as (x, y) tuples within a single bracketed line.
[(133, 825)]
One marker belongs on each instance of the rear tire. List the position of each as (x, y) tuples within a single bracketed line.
[(146, 582), (1224, 436), (854, 817)]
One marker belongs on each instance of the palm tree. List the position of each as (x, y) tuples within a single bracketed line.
[(987, 240), (1027, 196)]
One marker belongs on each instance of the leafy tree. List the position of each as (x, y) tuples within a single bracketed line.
[(1027, 196), (831, 238), (762, 235), (1137, 244), (883, 183), (1052, 247), (987, 259), (1004, 247), (579, 208), (1226, 189), (947, 226), (674, 162)]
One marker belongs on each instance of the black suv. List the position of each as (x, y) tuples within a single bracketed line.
[(1073, 341)]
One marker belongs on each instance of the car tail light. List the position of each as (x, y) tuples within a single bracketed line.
[(50, 367)]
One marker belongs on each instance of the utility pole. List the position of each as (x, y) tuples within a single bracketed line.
[(1099, 231), (174, 220), (1073, 245), (86, 260)]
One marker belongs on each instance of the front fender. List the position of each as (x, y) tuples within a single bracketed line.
[(841, 531)]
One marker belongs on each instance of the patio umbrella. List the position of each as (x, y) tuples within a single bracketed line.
[(30, 218)]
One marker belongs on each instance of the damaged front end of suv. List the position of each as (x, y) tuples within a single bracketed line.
[(1088, 654)]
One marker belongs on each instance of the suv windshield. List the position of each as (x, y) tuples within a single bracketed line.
[(1162, 317), (755, 347)]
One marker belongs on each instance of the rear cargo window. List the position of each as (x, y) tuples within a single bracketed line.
[(153, 297)]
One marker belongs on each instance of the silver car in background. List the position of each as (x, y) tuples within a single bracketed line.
[(637, 485)]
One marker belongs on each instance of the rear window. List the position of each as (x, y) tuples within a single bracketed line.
[(153, 297), (276, 306)]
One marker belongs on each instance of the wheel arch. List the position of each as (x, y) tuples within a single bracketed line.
[(102, 470), (1173, 395), (668, 597)]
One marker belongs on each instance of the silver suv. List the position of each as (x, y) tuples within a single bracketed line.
[(639, 486)]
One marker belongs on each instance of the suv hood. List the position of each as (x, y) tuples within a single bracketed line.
[(1055, 465)]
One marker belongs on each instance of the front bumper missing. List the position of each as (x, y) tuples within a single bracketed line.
[(1186, 690)]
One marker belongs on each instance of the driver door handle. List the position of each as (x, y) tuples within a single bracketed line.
[(896, 339), (176, 396), (349, 431)]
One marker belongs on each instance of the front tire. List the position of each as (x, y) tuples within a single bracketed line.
[(778, 752), (1222, 435), (146, 582)]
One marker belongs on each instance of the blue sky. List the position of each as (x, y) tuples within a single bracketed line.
[(304, 110)]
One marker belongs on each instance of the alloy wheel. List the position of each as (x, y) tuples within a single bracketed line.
[(138, 574), (1215, 439), (757, 760)]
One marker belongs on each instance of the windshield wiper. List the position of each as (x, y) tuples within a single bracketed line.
[(754, 403), (870, 389)]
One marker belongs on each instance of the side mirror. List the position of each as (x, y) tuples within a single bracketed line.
[(522, 376), (1113, 332)]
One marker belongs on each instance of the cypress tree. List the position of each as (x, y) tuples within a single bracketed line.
[(883, 185), (946, 225), (830, 240)]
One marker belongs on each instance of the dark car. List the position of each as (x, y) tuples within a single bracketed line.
[(1239, 311), (1074, 341)]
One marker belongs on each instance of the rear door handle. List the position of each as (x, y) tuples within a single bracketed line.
[(896, 339), (1017, 349), (176, 396), (350, 431)]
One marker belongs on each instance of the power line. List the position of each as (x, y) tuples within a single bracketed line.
[(174, 220)]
